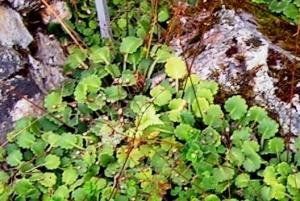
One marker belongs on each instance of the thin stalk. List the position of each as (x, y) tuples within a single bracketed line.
[(151, 69), (125, 61)]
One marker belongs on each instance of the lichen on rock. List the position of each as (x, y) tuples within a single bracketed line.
[(26, 74), (236, 55)]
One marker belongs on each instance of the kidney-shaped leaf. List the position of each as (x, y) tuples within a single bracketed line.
[(102, 55), (130, 44), (236, 106), (175, 67)]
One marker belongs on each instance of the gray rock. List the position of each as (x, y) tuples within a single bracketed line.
[(45, 65), (22, 5), (10, 94), (25, 78), (31, 77), (236, 36), (13, 31), (10, 62)]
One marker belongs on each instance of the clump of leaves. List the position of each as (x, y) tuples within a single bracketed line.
[(84, 23), (287, 8), (138, 22), (171, 143)]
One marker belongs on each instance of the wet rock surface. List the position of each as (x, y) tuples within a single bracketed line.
[(241, 59), (26, 74)]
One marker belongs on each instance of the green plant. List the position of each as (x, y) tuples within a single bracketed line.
[(137, 17), (174, 142), (287, 8), (83, 23)]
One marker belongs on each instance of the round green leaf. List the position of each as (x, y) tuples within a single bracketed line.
[(130, 44), (187, 117), (235, 156), (52, 162), (53, 99), (252, 163), (205, 93), (276, 145), (79, 194), (256, 114), (211, 85), (76, 58), (160, 53), (95, 102), (212, 198), (148, 117), (115, 93), (236, 107), (250, 147), (270, 175), (14, 158), (294, 180), (193, 79), (128, 79), (241, 135), (278, 6), (4, 177), (175, 67), (161, 95), (291, 11), (80, 92), (93, 83), (38, 147), (284, 169), (210, 137), (163, 15), (23, 187), (49, 179), (278, 191), (26, 139), (199, 106), (69, 175), (267, 128), (93, 24), (131, 191), (138, 102), (102, 55), (122, 23), (183, 131), (242, 180), (67, 141), (296, 144), (223, 173), (213, 116)]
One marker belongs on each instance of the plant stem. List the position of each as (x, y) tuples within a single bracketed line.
[(125, 61), (151, 69)]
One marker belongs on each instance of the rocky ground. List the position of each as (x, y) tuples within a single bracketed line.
[(233, 53), (243, 61), (30, 60)]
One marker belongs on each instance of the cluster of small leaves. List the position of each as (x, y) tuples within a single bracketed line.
[(137, 17), (174, 143), (287, 8), (84, 23)]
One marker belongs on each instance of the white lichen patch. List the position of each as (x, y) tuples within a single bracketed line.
[(233, 49), (24, 108)]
